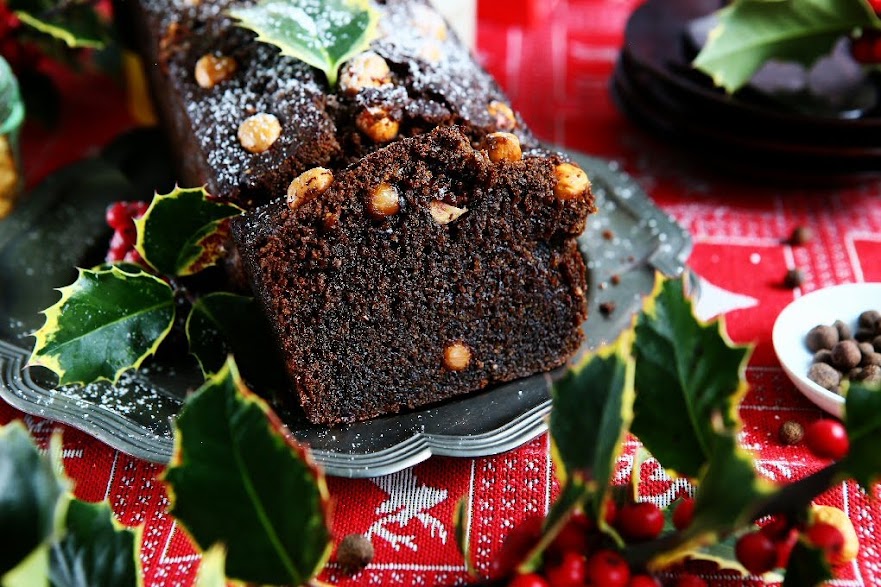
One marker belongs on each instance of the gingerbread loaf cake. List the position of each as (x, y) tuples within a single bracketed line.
[(409, 240), (426, 270)]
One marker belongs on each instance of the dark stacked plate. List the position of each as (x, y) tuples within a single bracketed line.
[(751, 132)]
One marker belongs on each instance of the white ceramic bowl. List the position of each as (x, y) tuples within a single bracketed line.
[(824, 306)]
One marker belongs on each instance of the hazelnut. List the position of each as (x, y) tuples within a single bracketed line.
[(257, 133), (844, 331), (354, 552), (376, 123), (503, 115), (457, 356), (791, 432), (384, 201), (308, 186), (503, 146), (572, 181), (365, 70), (846, 355), (444, 213), (821, 337), (211, 70), (824, 375)]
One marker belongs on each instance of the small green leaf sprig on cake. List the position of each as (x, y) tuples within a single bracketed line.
[(323, 33), (115, 316), (751, 32)]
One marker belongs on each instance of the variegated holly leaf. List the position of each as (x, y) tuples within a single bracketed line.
[(105, 323), (221, 324), (93, 550), (323, 34), (750, 32), (211, 568), (807, 566), (863, 422), (461, 525), (689, 381), (30, 499), (237, 478), (76, 24), (184, 232)]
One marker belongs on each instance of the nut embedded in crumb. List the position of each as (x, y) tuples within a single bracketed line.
[(503, 146), (384, 201), (444, 213), (365, 70), (354, 552), (376, 123), (457, 356), (211, 70), (572, 181), (429, 22), (504, 116), (257, 133), (308, 186)]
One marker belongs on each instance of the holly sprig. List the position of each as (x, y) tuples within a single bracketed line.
[(676, 383), (751, 32), (115, 316)]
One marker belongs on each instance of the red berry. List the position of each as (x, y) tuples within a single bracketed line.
[(519, 541), (784, 548), (688, 580), (876, 5), (827, 439), (573, 536), (610, 516), (118, 216), (641, 521), (113, 256), (137, 209), (643, 581), (826, 537), (607, 568), (776, 528), (684, 513), (866, 49), (530, 580), (569, 572), (756, 552)]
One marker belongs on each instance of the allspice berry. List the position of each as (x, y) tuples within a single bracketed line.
[(794, 278), (801, 235), (844, 331), (354, 553), (870, 320), (822, 356), (846, 355), (822, 337), (826, 376), (791, 432)]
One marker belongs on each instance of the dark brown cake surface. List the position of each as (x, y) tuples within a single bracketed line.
[(469, 275), (432, 80)]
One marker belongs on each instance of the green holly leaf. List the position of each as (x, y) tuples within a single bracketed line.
[(33, 571), (750, 32), (184, 232), (221, 324), (237, 478), (863, 422), (211, 568), (93, 551), (30, 499), (105, 323), (593, 409), (807, 566), (76, 24), (323, 34), (689, 381)]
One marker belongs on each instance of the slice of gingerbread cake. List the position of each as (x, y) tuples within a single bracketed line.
[(426, 270)]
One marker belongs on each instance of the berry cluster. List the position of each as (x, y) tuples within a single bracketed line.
[(579, 556), (121, 218)]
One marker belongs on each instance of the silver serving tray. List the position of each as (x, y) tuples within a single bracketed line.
[(60, 226)]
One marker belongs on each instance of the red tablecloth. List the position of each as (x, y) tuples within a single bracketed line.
[(557, 74)]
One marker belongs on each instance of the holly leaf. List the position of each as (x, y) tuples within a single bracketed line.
[(221, 324), (237, 478), (105, 323), (461, 525), (93, 551), (323, 34), (11, 105), (807, 566), (30, 498), (750, 32), (211, 568), (690, 378), (184, 232), (862, 419), (76, 24)]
